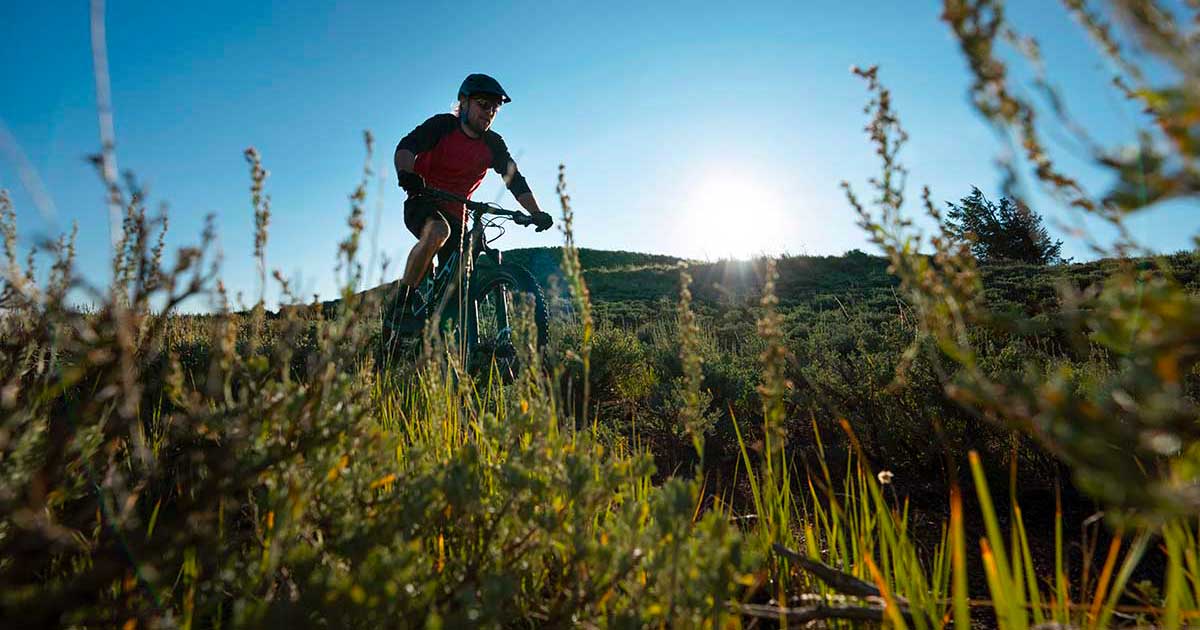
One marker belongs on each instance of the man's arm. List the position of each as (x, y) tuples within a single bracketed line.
[(504, 165), (515, 183), (529, 203), (405, 160)]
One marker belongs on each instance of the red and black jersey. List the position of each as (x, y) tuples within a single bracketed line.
[(452, 161)]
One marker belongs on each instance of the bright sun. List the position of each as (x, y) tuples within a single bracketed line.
[(734, 215)]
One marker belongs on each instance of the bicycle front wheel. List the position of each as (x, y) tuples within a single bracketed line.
[(498, 296)]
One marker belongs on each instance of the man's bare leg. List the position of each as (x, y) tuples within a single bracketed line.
[(433, 236)]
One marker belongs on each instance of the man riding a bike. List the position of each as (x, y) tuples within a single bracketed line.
[(451, 153)]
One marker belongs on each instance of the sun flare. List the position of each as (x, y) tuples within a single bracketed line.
[(734, 215)]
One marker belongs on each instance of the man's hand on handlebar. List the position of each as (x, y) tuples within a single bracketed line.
[(411, 182), (543, 221)]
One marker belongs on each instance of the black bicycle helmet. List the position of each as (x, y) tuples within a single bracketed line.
[(482, 84)]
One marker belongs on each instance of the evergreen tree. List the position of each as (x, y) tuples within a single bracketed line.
[(1005, 231)]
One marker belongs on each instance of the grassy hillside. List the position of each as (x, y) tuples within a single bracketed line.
[(618, 276), (845, 326), (615, 276)]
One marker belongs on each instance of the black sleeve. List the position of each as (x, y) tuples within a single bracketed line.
[(503, 164), (428, 133)]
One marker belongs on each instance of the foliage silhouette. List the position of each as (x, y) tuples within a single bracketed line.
[(1005, 232)]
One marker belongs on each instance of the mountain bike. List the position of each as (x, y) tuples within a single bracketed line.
[(483, 297)]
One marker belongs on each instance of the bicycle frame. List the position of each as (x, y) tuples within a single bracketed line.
[(447, 275)]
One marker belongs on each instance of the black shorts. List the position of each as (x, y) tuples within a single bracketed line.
[(418, 210)]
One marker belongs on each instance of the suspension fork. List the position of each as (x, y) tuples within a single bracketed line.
[(479, 247), (500, 306)]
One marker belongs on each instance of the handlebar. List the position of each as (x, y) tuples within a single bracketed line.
[(520, 218)]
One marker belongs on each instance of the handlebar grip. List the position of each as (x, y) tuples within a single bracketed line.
[(523, 219)]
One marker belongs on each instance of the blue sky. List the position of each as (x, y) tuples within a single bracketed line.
[(690, 129)]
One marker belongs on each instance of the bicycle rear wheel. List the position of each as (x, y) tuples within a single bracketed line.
[(498, 335)]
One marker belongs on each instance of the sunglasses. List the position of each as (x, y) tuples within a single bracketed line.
[(489, 104)]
